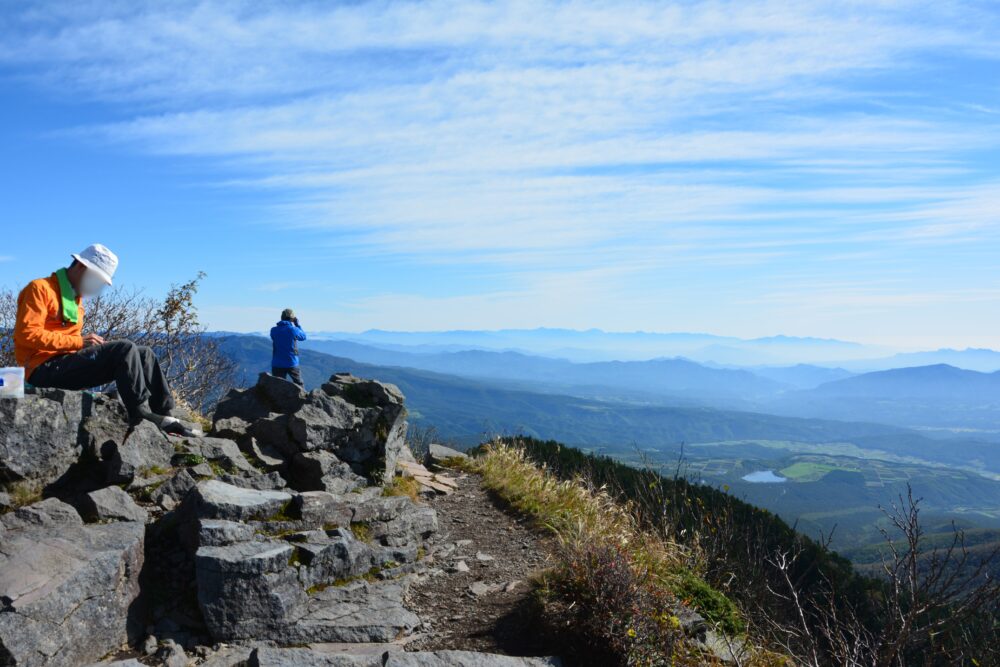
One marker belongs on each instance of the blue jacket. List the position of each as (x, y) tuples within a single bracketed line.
[(285, 337)]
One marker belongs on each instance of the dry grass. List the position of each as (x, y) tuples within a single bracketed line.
[(573, 510), (617, 583), (403, 486), (23, 493)]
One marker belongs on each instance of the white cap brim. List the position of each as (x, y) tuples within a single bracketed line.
[(96, 269)]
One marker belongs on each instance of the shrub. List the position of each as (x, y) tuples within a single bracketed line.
[(192, 361)]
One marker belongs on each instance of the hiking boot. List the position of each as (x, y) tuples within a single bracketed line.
[(168, 424)]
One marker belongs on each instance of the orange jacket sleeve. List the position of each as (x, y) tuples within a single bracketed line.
[(30, 332)]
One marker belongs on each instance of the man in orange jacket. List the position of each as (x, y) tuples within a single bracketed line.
[(49, 342)]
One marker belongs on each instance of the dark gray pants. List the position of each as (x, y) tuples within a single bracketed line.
[(294, 374), (133, 368)]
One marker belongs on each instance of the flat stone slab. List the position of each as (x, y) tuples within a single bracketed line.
[(218, 500), (66, 587), (357, 612), (464, 659), (111, 504), (305, 657)]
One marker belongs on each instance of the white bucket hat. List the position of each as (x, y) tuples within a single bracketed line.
[(100, 260)]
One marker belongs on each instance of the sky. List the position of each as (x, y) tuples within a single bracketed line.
[(741, 168)]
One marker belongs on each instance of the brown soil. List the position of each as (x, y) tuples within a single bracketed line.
[(502, 619)]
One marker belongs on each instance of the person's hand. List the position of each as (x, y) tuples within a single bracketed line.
[(296, 320), (92, 339)]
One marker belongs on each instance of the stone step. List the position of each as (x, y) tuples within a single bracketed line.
[(304, 657)]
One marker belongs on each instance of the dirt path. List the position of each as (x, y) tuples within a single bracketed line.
[(478, 595)]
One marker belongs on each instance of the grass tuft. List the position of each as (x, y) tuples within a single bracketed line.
[(403, 486), (617, 583)]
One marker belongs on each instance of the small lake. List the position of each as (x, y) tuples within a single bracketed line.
[(764, 477)]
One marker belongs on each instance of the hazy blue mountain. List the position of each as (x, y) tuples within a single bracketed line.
[(801, 376), (676, 378), (974, 359), (597, 345), (939, 382), (938, 396), (467, 410)]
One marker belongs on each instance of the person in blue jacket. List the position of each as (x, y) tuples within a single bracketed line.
[(285, 337)]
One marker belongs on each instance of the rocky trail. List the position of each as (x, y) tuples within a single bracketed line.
[(479, 594), (271, 542)]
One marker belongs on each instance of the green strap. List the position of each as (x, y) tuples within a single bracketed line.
[(70, 313)]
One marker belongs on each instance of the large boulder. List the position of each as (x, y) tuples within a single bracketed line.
[(110, 504), (360, 423), (39, 435), (285, 567), (67, 588), (322, 471)]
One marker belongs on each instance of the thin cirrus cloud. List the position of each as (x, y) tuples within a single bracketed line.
[(581, 137)]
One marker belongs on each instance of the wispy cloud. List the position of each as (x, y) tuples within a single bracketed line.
[(520, 139)]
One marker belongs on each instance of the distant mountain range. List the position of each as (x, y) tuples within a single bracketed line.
[(468, 409), (597, 345), (845, 466), (933, 396), (938, 396)]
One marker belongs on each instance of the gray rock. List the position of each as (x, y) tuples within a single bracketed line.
[(231, 656), (67, 587), (314, 428), (464, 659), (356, 612), (323, 471), (169, 494), (232, 428), (272, 481), (480, 588), (303, 657), (320, 508), (110, 504), (104, 426), (330, 555), (397, 520), (272, 432), (267, 456), (39, 435), (201, 470), (439, 454), (213, 499), (247, 590), (145, 449), (215, 532), (172, 654), (279, 394), (361, 422), (219, 450)]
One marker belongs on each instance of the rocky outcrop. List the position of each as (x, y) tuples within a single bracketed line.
[(110, 504), (273, 531), (329, 437), (288, 567), (39, 435), (66, 587)]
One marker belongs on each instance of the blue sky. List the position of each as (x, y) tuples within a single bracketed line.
[(741, 168)]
